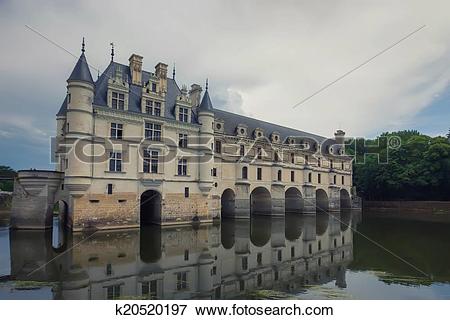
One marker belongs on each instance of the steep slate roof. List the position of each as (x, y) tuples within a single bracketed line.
[(206, 104), (231, 120), (81, 71)]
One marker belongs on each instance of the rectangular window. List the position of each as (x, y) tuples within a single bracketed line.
[(292, 252), (276, 157), (244, 263), (331, 164), (319, 178), (319, 245), (152, 131), (242, 150), (342, 165), (116, 130), (280, 255), (214, 271), (218, 147), (181, 281), (310, 248), (115, 161), (182, 167), (292, 176), (109, 188), (214, 172), (182, 140), (186, 255), (292, 157), (186, 192), (342, 180), (157, 109), (154, 87), (183, 114), (319, 162), (151, 161), (118, 101), (259, 258), (149, 107), (113, 292), (306, 159), (259, 173)]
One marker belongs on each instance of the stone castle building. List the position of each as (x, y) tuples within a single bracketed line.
[(133, 147)]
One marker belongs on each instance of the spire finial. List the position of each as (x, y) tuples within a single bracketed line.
[(112, 51), (173, 71), (82, 46), (206, 84)]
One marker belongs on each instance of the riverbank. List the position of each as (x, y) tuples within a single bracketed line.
[(431, 211)]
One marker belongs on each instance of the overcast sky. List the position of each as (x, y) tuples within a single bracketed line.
[(261, 57)]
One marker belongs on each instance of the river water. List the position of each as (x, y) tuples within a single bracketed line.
[(337, 256)]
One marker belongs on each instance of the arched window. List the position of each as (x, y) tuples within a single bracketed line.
[(244, 173), (310, 177), (279, 175)]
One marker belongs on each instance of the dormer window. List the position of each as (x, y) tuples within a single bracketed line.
[(241, 130), (153, 107), (183, 114), (153, 87), (275, 137), (118, 100), (258, 133)]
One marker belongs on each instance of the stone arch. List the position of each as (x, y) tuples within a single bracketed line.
[(345, 199), (150, 207), (322, 203), (293, 200), (227, 201), (260, 201)]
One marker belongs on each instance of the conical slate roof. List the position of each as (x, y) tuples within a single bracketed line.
[(206, 104), (81, 71)]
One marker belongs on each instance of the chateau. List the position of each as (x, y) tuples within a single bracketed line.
[(134, 148)]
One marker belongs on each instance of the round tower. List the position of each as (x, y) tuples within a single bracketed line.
[(79, 125), (206, 120)]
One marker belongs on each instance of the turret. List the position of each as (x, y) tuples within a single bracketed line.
[(79, 123), (206, 120)]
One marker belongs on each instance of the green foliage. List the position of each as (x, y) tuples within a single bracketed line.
[(418, 170), (6, 172)]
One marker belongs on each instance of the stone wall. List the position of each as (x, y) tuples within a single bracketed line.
[(106, 211), (176, 208)]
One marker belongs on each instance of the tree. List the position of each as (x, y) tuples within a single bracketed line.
[(418, 170), (6, 176)]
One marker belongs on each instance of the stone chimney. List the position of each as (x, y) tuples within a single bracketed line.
[(136, 69), (161, 73), (339, 136), (195, 94)]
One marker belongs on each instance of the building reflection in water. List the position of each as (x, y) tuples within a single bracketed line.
[(208, 262)]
